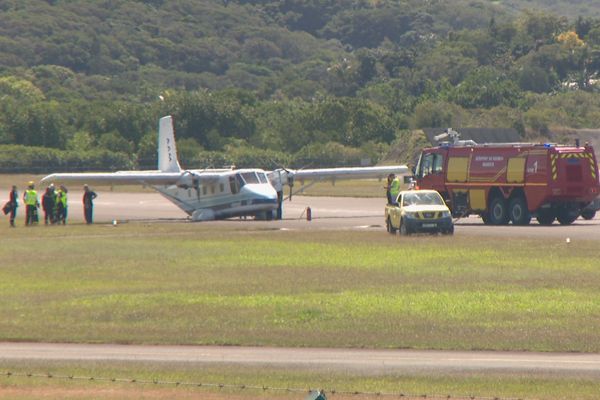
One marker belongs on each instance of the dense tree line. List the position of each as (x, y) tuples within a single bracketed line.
[(290, 82)]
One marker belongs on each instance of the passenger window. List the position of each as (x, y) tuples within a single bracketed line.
[(233, 185), (221, 187), (212, 189), (204, 190)]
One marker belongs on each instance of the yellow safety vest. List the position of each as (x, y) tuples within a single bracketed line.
[(31, 197), (395, 188)]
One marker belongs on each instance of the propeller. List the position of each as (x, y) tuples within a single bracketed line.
[(290, 179), (195, 182)]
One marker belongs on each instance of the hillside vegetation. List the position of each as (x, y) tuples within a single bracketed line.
[(290, 82)]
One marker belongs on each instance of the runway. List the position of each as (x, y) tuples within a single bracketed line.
[(361, 361), (328, 213)]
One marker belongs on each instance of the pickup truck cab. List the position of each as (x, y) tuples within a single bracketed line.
[(418, 211)]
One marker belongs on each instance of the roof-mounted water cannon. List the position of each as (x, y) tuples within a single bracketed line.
[(454, 139)]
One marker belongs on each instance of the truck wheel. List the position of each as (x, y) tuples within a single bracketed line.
[(404, 231), (388, 225), (567, 214), (546, 217), (498, 214), (588, 214), (518, 212)]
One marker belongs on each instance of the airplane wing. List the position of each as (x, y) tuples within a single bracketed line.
[(351, 172), (281, 177), (117, 178)]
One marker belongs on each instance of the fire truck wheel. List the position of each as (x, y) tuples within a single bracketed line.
[(546, 217), (566, 215), (485, 217), (588, 214), (518, 212), (388, 225), (498, 212)]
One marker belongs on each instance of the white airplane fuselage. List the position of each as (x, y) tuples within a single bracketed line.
[(243, 192)]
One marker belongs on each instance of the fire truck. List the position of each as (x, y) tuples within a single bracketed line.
[(510, 182)]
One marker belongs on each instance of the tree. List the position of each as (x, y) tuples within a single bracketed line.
[(486, 87)]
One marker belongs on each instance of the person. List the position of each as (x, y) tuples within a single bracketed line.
[(30, 199), (12, 200), (88, 205), (388, 188), (48, 205), (394, 189), (61, 205)]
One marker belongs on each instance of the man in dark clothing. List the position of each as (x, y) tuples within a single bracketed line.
[(49, 205), (88, 205), (13, 204)]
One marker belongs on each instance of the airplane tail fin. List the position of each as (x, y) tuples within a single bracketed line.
[(167, 151)]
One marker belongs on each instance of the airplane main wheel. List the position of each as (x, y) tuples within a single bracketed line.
[(498, 214), (518, 212), (388, 225)]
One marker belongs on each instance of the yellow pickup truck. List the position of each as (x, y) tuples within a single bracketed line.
[(418, 211)]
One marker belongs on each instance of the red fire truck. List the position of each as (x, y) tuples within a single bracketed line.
[(511, 182)]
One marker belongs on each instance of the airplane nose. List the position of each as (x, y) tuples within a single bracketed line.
[(262, 193)]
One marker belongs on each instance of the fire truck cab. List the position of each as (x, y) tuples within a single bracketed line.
[(511, 182)]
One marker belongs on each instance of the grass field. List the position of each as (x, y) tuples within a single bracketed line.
[(190, 283), (337, 386)]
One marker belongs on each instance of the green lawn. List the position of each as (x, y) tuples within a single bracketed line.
[(193, 283), (200, 284), (136, 381)]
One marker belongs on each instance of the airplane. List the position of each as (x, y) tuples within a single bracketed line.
[(210, 194)]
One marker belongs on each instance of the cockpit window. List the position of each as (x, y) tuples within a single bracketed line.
[(262, 177), (250, 177)]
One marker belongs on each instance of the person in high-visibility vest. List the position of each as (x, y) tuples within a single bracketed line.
[(395, 188), (30, 199), (388, 187), (61, 205)]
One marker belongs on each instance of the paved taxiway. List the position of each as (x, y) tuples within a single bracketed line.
[(362, 361), (327, 212)]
